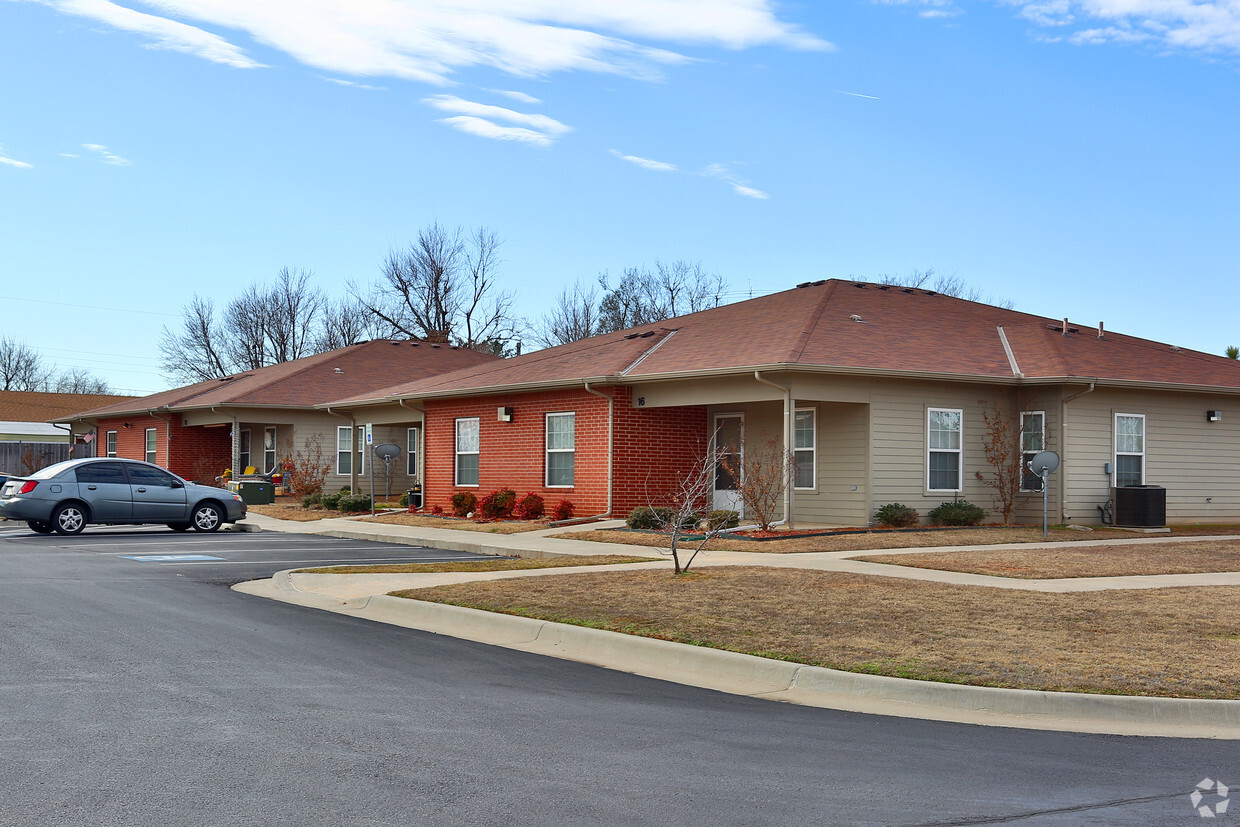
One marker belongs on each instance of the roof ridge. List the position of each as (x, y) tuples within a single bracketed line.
[(798, 347)]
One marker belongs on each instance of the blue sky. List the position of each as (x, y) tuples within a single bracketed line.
[(1077, 157)]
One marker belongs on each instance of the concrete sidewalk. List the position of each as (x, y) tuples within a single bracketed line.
[(366, 596)]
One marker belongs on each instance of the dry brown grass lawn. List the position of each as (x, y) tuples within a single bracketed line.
[(891, 539), (498, 564), (292, 512), (426, 521), (1093, 561), (1182, 642)]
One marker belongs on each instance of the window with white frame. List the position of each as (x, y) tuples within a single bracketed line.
[(269, 450), (943, 450), (411, 468), (561, 449), (110, 444), (151, 442), (243, 460), (467, 450), (347, 451), (1032, 440), (1129, 449), (805, 450)]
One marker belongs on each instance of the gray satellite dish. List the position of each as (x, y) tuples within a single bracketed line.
[(387, 451), (1044, 462)]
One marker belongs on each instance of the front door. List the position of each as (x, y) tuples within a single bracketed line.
[(729, 450)]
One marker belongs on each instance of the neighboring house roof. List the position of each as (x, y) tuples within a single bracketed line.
[(846, 327), (31, 406), (301, 383)]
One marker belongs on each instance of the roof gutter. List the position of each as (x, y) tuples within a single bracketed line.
[(611, 444), (1063, 448), (789, 492)]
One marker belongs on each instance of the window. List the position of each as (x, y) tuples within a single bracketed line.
[(943, 449), (243, 460), (412, 467), (1129, 449), (561, 449), (1032, 440), (269, 450), (112, 473), (804, 452), (141, 475), (150, 444), (345, 452), (110, 444), (467, 451)]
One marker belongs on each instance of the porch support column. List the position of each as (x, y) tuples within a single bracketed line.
[(789, 436), (235, 459)]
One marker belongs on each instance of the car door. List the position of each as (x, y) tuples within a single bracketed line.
[(104, 488), (158, 497)]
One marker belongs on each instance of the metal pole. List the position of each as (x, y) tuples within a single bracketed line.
[(1044, 503)]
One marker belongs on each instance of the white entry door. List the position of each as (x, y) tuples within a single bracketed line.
[(729, 445)]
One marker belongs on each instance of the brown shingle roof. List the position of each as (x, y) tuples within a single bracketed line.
[(31, 406), (842, 325), (349, 371)]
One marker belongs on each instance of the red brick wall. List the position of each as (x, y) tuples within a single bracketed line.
[(652, 446), (195, 453)]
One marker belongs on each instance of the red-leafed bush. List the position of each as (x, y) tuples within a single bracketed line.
[(530, 507), (563, 511), (464, 503), (498, 505)]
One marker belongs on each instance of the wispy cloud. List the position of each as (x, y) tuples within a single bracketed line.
[(1211, 26), (739, 185), (489, 121), (107, 156), (13, 162), (520, 97), (430, 40), (858, 95), (354, 84), (645, 163), (927, 8)]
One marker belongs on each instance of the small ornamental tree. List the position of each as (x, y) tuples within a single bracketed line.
[(1002, 445), (682, 507), (306, 469), (763, 475)]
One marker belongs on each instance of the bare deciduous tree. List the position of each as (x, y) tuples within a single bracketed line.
[(644, 297), (21, 367), (293, 308), (197, 353), (346, 322), (79, 380), (574, 316), (1003, 446), (683, 506), (763, 475), (443, 288), (949, 285)]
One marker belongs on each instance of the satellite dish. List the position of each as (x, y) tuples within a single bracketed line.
[(388, 451), (1044, 463)]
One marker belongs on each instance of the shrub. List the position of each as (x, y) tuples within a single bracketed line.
[(403, 502), (354, 502), (530, 507), (723, 519), (498, 505), (346, 490), (658, 517), (960, 512), (311, 500), (437, 510), (464, 503), (896, 515), (305, 470), (331, 501), (563, 511)]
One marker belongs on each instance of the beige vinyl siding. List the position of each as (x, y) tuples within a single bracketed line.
[(843, 449), (1193, 459)]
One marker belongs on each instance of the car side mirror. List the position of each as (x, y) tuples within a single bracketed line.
[(178, 484)]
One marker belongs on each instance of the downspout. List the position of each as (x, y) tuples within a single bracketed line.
[(789, 492), (611, 443), (1063, 445), (68, 429), (352, 447)]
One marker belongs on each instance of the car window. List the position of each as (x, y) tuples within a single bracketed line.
[(102, 472), (47, 473), (146, 475)]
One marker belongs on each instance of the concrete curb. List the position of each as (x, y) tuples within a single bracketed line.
[(782, 681)]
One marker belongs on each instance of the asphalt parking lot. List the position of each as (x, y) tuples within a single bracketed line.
[(224, 557)]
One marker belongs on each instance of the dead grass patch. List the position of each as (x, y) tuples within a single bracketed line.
[(1182, 642), (498, 564), (1094, 561), (426, 521)]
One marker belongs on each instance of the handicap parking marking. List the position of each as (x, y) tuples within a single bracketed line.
[(170, 558)]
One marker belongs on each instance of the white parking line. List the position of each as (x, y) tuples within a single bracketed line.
[(365, 562)]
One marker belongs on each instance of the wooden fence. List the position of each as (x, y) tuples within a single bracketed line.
[(25, 457)]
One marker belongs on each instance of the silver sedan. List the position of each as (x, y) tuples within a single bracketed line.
[(67, 496)]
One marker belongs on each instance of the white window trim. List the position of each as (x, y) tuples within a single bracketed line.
[(1118, 453), (1024, 453), (457, 454), (359, 456), (548, 450), (813, 449), (959, 452), (109, 444), (245, 448), (150, 454), (411, 452)]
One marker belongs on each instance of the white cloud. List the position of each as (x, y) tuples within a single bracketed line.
[(480, 119), (429, 40), (13, 162), (645, 163), (1197, 25), (519, 97), (858, 95), (106, 155), (355, 85), (489, 129), (739, 186)]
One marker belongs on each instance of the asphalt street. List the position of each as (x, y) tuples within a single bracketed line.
[(137, 689)]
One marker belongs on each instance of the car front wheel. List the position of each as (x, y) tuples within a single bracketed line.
[(207, 517), (39, 527), (69, 519)]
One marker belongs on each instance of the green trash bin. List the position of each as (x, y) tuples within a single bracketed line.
[(256, 493)]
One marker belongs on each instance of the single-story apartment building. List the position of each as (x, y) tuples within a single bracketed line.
[(29, 440), (881, 393), (257, 418)]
